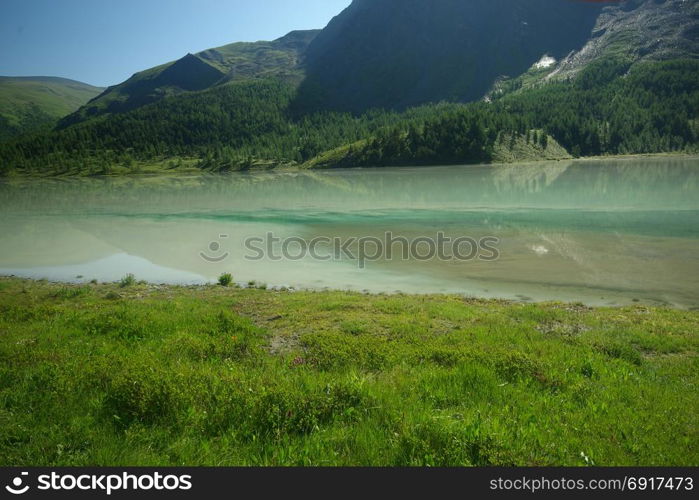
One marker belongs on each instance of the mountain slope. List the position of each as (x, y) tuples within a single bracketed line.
[(279, 58), (395, 54), (31, 102), (399, 53), (196, 72), (639, 31), (625, 35)]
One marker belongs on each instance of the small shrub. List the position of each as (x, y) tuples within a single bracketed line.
[(127, 281), (225, 279)]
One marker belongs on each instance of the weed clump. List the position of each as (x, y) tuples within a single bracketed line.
[(225, 279), (127, 281)]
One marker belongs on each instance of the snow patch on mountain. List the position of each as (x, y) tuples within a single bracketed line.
[(546, 61)]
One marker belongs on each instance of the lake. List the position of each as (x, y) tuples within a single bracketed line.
[(608, 232)]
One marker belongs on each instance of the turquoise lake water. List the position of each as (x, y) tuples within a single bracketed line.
[(601, 232)]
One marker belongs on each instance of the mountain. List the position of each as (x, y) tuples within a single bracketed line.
[(277, 59), (401, 53), (395, 82), (31, 102), (394, 54)]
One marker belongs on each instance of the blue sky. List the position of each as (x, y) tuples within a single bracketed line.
[(103, 42)]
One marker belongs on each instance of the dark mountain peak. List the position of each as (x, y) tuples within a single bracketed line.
[(397, 53), (189, 73)]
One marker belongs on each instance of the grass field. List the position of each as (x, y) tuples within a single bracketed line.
[(136, 374)]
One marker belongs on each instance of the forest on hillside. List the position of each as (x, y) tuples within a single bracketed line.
[(607, 109)]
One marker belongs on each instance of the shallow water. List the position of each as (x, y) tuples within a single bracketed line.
[(600, 232)]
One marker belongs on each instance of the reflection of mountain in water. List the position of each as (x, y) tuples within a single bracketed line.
[(668, 184)]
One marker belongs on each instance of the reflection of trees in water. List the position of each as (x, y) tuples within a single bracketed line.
[(661, 182), (529, 178)]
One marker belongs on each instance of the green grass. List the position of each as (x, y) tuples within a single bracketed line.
[(155, 375)]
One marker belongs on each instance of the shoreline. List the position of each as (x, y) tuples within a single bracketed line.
[(144, 285), (149, 169)]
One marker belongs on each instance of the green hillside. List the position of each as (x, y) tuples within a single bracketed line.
[(278, 59), (33, 102), (242, 123)]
